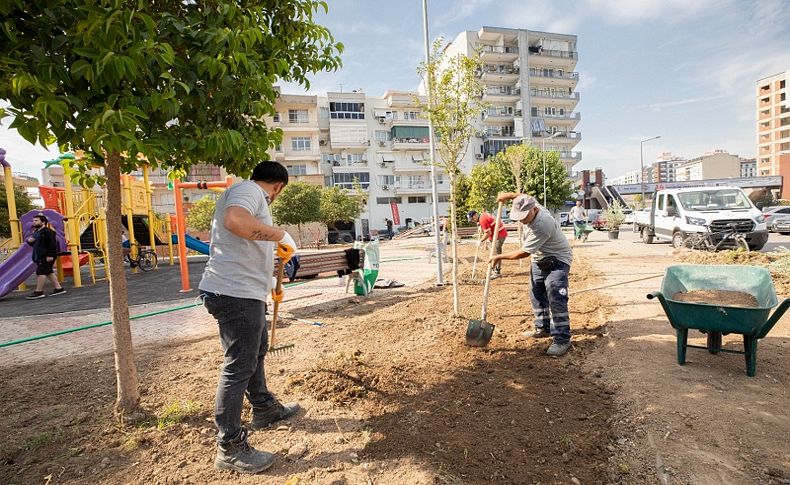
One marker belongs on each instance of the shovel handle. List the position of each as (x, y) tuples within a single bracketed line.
[(497, 226), (279, 288)]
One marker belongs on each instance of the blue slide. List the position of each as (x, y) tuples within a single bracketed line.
[(193, 243)]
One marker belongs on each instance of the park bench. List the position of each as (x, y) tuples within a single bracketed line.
[(313, 264), (463, 232)]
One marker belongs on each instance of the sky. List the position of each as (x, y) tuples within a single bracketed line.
[(685, 70)]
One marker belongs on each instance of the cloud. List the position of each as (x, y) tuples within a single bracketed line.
[(680, 102), (630, 11), (459, 11), (542, 15)]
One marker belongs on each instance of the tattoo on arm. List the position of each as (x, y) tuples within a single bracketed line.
[(258, 236)]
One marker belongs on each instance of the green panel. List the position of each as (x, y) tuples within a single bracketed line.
[(409, 132)]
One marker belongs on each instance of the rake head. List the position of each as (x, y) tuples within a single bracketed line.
[(280, 350)]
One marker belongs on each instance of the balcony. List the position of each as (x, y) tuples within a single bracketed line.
[(406, 188), (410, 143), (572, 156), (557, 97), (558, 117), (498, 53), (565, 135), (496, 75), (554, 77), (501, 94), (415, 164), (498, 134), (554, 53), (499, 116)]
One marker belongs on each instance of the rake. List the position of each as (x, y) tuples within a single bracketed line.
[(283, 253)]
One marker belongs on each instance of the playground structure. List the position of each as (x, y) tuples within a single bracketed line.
[(81, 216)]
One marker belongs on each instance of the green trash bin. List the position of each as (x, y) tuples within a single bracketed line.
[(370, 268)]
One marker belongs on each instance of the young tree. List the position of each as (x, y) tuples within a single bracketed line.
[(23, 205), (201, 214), (559, 188), (486, 181), (298, 204), (516, 157), (337, 205), (455, 96), (463, 188), (177, 82)]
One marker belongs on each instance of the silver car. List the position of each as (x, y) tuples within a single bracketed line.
[(771, 214), (780, 225)]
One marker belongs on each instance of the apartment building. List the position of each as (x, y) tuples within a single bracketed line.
[(773, 122), (717, 164), (664, 168), (632, 177), (748, 167), (530, 86), (297, 115)]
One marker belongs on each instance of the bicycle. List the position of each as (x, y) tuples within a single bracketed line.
[(146, 259), (715, 241)]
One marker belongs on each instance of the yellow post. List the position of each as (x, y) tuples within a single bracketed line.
[(72, 235), (16, 235), (127, 188), (149, 194), (169, 229)]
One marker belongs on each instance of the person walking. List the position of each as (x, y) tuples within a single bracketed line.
[(45, 250), (235, 285), (578, 216), (390, 233), (551, 262), (487, 223)]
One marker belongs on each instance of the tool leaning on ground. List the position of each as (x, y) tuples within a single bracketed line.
[(284, 254), (479, 332)]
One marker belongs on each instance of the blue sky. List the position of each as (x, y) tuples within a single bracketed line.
[(682, 69)]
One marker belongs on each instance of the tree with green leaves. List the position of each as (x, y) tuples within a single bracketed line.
[(486, 181), (201, 214), (338, 205), (298, 204), (558, 187), (176, 82), (463, 187), (455, 95), (23, 205)]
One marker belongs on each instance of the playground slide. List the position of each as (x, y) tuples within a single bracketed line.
[(19, 266), (193, 243)]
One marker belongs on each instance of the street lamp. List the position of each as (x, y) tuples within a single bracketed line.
[(543, 152), (642, 163)]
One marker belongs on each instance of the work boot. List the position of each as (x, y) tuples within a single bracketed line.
[(276, 412), (537, 333), (36, 295), (558, 350), (239, 456)]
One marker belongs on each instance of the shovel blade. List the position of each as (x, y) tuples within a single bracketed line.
[(478, 333)]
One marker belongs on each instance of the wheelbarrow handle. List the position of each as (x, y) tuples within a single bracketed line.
[(778, 313), (664, 304)]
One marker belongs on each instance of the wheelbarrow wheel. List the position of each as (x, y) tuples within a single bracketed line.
[(714, 342)]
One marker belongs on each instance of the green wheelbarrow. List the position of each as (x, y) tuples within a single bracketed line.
[(716, 320)]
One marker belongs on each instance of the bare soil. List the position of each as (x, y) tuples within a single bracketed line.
[(717, 297), (391, 392)]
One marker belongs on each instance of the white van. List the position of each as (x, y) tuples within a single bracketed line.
[(676, 213)]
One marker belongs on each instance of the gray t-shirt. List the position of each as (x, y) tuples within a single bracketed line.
[(543, 237), (240, 267)]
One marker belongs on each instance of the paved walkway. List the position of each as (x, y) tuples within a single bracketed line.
[(405, 261)]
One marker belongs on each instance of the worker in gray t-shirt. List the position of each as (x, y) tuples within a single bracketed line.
[(551, 263), (235, 286)]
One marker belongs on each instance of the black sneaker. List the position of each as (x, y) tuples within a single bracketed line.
[(239, 456), (277, 412), (537, 333), (36, 295), (58, 291)]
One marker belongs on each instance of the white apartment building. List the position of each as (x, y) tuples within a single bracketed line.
[(717, 164), (530, 87), (632, 177), (748, 167), (773, 122)]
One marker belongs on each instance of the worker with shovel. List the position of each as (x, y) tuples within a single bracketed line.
[(487, 223), (235, 286), (551, 262)]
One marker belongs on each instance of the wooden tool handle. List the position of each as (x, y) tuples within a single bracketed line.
[(497, 226), (280, 271)]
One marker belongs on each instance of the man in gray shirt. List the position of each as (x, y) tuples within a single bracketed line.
[(551, 263), (235, 285)]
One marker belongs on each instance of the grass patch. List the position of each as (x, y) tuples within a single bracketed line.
[(46, 438), (175, 412)]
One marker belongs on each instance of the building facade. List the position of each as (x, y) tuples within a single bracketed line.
[(748, 167), (632, 177), (664, 168), (713, 165), (773, 122), (530, 87)]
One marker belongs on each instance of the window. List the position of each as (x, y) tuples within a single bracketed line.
[(782, 96), (389, 200), (381, 135), (300, 143), (562, 111), (323, 112), (417, 199), (443, 198), (388, 179), (346, 111), (661, 202), (411, 115), (276, 117), (782, 84), (534, 111), (346, 180), (356, 158), (296, 169), (203, 171), (297, 116), (550, 111)]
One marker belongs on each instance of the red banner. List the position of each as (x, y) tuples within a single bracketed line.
[(395, 213)]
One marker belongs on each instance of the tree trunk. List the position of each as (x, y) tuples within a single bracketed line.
[(299, 235), (128, 398), (454, 244)]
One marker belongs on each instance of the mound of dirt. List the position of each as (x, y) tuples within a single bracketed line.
[(342, 379), (717, 297)]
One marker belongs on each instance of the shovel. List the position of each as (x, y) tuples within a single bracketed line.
[(479, 332), (281, 349)]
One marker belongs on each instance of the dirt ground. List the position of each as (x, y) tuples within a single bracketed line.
[(393, 395)]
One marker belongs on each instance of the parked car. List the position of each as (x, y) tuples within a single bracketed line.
[(770, 214), (781, 225), (565, 219), (599, 222)]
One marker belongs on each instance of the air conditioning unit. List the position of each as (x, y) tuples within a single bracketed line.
[(383, 164), (322, 142), (381, 143), (385, 187), (479, 156)]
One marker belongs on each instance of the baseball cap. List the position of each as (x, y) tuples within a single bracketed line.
[(521, 205), (470, 215)]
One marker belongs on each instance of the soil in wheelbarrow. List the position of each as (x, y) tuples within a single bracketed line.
[(717, 297), (391, 392)]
